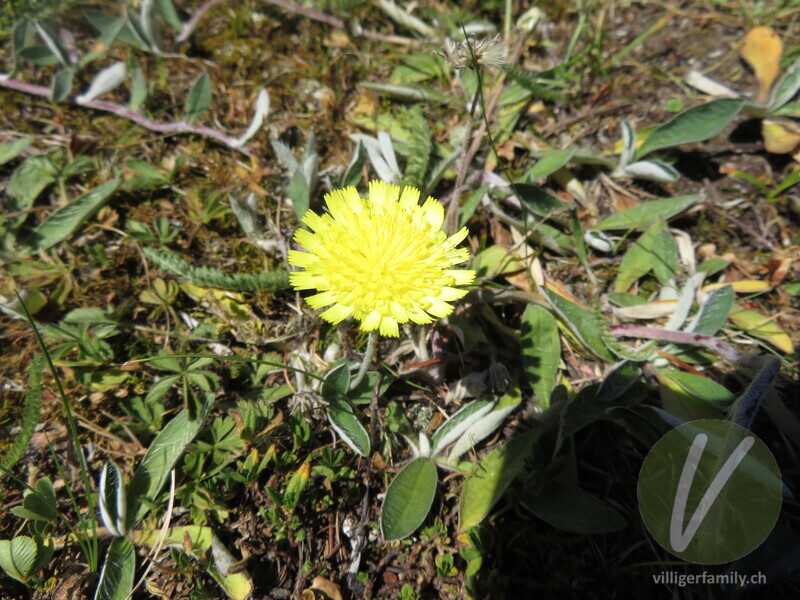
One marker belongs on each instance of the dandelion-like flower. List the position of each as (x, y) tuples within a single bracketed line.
[(383, 260), (489, 52)]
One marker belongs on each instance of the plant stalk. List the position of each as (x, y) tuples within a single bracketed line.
[(368, 354)]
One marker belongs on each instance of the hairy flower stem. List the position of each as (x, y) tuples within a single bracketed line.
[(365, 363), (451, 219)]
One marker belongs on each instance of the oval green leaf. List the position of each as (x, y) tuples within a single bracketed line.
[(569, 508), (199, 98), (541, 351), (640, 217), (349, 428), (67, 219), (408, 499), (496, 471), (693, 125), (458, 423), (164, 452), (116, 578), (583, 323)]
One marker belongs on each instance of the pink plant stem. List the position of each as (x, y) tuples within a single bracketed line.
[(712, 343), (137, 117), (191, 24)]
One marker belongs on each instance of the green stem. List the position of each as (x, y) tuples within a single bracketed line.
[(368, 354)]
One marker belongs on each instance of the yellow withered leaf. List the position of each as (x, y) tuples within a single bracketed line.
[(762, 327), (780, 136), (762, 49), (744, 286), (651, 310)]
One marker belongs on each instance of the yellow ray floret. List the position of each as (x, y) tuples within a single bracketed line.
[(383, 260)]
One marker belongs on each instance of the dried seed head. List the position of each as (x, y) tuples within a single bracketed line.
[(489, 52)]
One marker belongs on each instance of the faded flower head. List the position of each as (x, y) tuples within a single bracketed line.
[(383, 260), (489, 52)]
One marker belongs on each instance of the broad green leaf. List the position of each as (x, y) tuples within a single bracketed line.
[(626, 299), (690, 397), (712, 266), (582, 323), (111, 497), (146, 170), (640, 258), (714, 312), (336, 383), (535, 200), (161, 457), (29, 180), (693, 125), (551, 162), (199, 98), (167, 10), (116, 578), (38, 504), (510, 106), (541, 351), (787, 87), (790, 109), (53, 41), (66, 220), (362, 393), (458, 423), (492, 476), (665, 255), (109, 26), (160, 387), (569, 508), (496, 260), (352, 175), (138, 90), (416, 68), (22, 556), (299, 193), (82, 164), (349, 428), (39, 55), (412, 93), (539, 84), (642, 216), (408, 499), (11, 150), (487, 424), (470, 205)]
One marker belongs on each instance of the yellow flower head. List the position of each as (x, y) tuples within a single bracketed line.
[(384, 260)]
